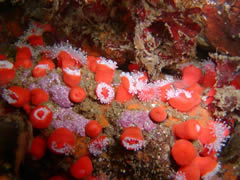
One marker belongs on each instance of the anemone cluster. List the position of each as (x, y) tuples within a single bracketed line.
[(96, 121)]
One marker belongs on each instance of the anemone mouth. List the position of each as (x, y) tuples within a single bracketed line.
[(131, 143), (41, 113)]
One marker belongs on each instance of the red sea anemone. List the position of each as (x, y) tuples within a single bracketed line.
[(122, 94), (23, 57), (77, 94), (36, 40), (61, 141), (7, 72), (98, 145), (207, 165), (71, 77), (16, 96), (81, 168), (92, 63), (38, 96), (132, 138), (183, 100), (191, 74), (105, 70), (67, 55), (105, 93), (189, 129), (158, 114), (189, 172), (93, 128), (183, 152), (40, 70), (41, 117), (38, 147)]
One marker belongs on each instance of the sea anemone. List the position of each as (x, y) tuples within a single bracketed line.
[(132, 138), (183, 152), (98, 145), (105, 70), (38, 96), (77, 94), (158, 114), (38, 147), (92, 63), (74, 53), (93, 128), (71, 77), (191, 74), (208, 166), (81, 168), (7, 72), (189, 172), (148, 93), (61, 141), (41, 117), (105, 93), (220, 132), (16, 96), (40, 70), (189, 129)]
